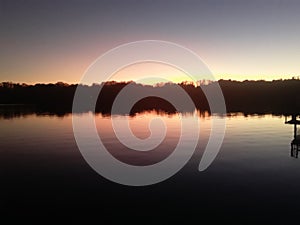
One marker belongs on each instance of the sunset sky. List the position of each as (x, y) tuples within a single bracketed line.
[(53, 40)]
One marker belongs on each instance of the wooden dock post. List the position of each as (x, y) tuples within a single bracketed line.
[(295, 144)]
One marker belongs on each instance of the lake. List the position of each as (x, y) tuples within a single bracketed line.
[(253, 178)]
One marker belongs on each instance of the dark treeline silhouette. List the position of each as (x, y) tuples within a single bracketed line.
[(277, 97)]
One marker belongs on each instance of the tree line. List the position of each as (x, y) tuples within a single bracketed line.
[(277, 96)]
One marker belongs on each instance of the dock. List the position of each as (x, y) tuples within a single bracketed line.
[(295, 144)]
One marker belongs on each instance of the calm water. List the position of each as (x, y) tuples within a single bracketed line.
[(253, 178)]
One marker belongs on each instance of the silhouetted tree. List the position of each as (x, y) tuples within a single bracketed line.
[(277, 96)]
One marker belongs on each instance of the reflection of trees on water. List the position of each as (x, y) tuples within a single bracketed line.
[(15, 111)]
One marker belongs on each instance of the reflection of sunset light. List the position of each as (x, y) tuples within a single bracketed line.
[(139, 124)]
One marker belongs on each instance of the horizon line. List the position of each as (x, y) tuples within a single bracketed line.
[(158, 83)]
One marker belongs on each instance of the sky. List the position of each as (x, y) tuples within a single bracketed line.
[(52, 40)]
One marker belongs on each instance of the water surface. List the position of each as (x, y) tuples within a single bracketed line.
[(253, 178)]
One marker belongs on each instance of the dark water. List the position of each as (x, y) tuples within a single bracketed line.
[(45, 178)]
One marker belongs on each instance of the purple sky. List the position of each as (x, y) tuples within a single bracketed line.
[(50, 40)]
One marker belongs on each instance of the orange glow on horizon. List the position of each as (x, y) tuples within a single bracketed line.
[(150, 73)]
